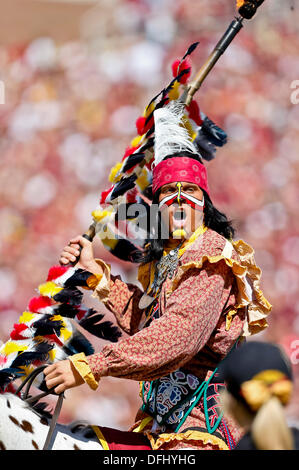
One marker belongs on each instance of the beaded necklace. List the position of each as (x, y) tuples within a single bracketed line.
[(160, 271)]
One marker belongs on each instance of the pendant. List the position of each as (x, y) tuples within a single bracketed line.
[(145, 301)]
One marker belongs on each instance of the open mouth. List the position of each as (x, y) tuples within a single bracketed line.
[(179, 217), (179, 214)]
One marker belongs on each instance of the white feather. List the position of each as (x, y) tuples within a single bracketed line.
[(171, 136)]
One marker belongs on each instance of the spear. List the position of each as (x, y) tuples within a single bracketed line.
[(247, 10)]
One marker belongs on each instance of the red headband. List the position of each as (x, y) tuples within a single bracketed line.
[(180, 169)]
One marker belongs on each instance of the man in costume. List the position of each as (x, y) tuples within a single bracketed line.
[(200, 295)]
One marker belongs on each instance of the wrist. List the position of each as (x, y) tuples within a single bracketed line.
[(94, 268)]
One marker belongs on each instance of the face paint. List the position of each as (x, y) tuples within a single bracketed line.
[(179, 186), (181, 197)]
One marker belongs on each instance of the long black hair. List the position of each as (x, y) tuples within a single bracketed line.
[(213, 219)]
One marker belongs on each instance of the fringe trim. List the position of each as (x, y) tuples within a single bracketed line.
[(247, 274), (190, 435), (81, 365)]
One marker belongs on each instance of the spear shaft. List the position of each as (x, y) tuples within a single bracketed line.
[(213, 58)]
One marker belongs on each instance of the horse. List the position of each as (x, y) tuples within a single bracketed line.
[(25, 427)]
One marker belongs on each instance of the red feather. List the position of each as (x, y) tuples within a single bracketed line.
[(54, 338), (105, 194), (140, 125), (37, 303), (194, 112), (142, 128), (131, 195), (178, 67), (17, 331), (129, 151), (56, 271)]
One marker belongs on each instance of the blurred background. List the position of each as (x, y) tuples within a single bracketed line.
[(77, 75)]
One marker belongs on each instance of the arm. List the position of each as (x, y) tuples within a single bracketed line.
[(191, 315), (120, 298)]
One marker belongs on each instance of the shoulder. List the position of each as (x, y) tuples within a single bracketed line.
[(211, 245)]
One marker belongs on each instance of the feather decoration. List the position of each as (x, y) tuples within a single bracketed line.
[(48, 325), (216, 135), (45, 332), (190, 50), (78, 342), (39, 354), (38, 304), (71, 295), (208, 137), (66, 310), (133, 160), (78, 278), (124, 185), (105, 330), (170, 135)]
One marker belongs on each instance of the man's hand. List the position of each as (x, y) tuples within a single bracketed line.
[(62, 375), (72, 251)]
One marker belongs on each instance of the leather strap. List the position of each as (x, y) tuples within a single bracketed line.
[(29, 380)]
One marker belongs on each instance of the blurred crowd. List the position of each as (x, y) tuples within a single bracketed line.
[(69, 114)]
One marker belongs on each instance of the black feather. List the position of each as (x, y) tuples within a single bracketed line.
[(47, 326), (66, 310), (216, 135), (124, 185), (78, 279), (126, 251), (150, 131), (92, 322), (205, 148), (176, 79), (77, 344), (133, 160), (147, 145), (40, 354), (190, 49), (7, 376), (70, 295)]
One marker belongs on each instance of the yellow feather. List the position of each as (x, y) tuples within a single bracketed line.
[(26, 317), (175, 91), (113, 178), (110, 243), (99, 215), (143, 181), (149, 110), (49, 289), (52, 354), (11, 347), (136, 141), (27, 370)]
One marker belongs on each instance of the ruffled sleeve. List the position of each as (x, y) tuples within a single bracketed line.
[(239, 256)]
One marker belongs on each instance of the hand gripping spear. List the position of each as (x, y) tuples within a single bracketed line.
[(45, 332)]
